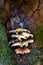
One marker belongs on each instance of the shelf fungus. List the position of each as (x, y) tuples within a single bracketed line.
[(20, 40)]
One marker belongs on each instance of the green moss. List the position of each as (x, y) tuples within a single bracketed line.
[(5, 56), (39, 35), (39, 39)]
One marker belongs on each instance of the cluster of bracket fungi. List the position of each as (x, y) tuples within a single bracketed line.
[(20, 39)]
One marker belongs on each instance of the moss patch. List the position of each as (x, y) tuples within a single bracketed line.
[(39, 35)]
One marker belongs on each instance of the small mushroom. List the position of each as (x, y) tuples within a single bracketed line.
[(22, 51), (16, 44), (12, 41), (19, 29), (22, 43), (18, 36), (27, 34), (25, 43)]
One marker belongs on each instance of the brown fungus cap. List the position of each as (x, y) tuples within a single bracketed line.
[(22, 51)]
